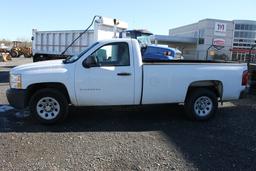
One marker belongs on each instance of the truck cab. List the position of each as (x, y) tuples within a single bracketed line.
[(158, 53), (149, 51), (135, 34)]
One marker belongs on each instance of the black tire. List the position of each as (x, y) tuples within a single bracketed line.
[(201, 111), (61, 109), (35, 58), (14, 53), (27, 55), (39, 57)]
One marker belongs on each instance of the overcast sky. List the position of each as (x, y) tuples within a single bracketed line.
[(19, 17)]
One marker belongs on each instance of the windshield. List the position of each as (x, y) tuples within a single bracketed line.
[(74, 58), (144, 40)]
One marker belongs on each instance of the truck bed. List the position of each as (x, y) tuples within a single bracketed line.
[(153, 62), (55, 42), (170, 83)]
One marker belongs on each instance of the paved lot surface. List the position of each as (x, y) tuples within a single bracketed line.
[(145, 138)]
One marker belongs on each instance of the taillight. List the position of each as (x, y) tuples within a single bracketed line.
[(245, 78)]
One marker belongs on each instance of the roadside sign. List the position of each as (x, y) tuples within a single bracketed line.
[(218, 42)]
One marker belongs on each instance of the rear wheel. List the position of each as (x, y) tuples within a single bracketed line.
[(27, 55), (35, 58), (201, 104), (49, 106), (39, 57)]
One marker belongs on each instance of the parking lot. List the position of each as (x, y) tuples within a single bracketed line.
[(145, 138)]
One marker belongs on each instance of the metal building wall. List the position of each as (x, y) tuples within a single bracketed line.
[(205, 29)]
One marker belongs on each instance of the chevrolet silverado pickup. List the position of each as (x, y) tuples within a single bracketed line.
[(112, 72)]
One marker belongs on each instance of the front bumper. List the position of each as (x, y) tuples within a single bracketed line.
[(17, 98)]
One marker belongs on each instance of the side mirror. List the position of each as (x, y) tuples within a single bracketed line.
[(90, 61)]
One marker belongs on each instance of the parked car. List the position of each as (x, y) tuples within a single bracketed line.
[(111, 72), (252, 78)]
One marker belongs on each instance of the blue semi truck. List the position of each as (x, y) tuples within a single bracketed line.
[(149, 51)]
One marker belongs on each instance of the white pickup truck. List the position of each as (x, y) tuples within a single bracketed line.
[(111, 72)]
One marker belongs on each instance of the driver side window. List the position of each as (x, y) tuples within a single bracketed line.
[(114, 54)]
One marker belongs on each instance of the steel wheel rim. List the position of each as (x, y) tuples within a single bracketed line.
[(203, 106), (48, 108)]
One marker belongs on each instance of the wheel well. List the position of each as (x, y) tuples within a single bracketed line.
[(213, 85), (35, 87)]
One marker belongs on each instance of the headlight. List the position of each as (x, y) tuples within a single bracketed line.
[(15, 81)]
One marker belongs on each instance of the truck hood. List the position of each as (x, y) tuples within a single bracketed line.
[(53, 64)]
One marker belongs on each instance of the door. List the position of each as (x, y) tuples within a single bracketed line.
[(110, 81)]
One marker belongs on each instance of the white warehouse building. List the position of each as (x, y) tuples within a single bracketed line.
[(212, 39)]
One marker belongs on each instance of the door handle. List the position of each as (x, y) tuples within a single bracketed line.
[(124, 74)]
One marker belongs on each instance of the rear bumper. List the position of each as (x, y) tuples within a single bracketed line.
[(17, 98)]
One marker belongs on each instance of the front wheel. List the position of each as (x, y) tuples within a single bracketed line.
[(49, 106), (14, 53), (201, 104)]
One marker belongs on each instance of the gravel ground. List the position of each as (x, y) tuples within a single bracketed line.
[(144, 138)]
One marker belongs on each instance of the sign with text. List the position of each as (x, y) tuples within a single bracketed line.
[(220, 29), (218, 42)]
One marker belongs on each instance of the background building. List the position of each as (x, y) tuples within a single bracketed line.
[(216, 39), (244, 38)]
